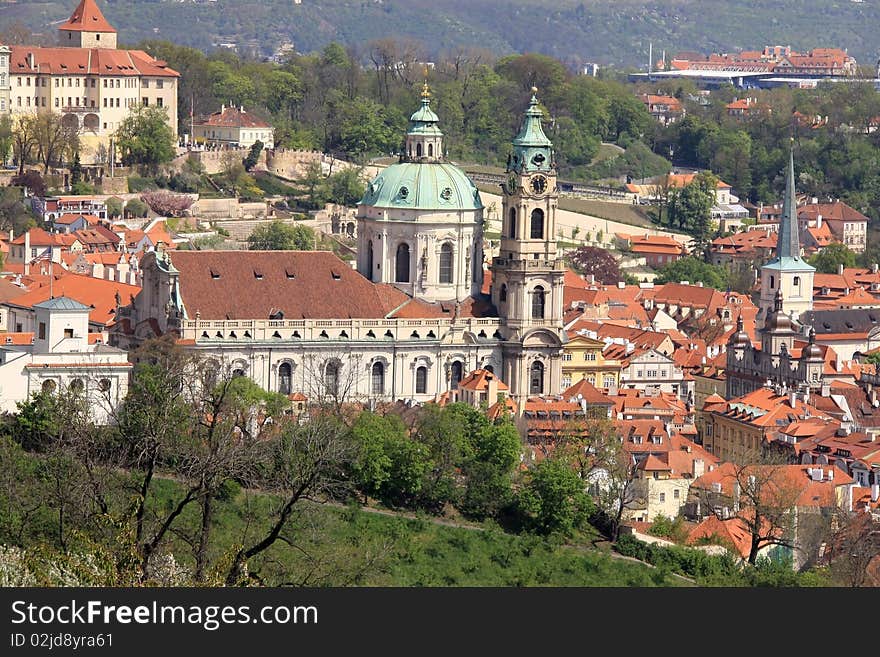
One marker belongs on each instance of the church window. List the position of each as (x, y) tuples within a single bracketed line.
[(456, 373), (772, 282), (511, 227), (369, 271), (285, 378), (502, 295), (430, 150), (378, 379), (538, 303), (536, 378), (402, 265), (418, 150), (331, 378), (421, 380), (537, 228), (446, 263)]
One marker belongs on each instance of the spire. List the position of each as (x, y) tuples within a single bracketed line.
[(788, 244), (88, 18), (532, 150)]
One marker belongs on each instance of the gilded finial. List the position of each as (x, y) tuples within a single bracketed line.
[(426, 90), (534, 90)]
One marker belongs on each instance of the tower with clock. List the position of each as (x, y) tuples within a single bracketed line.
[(527, 274)]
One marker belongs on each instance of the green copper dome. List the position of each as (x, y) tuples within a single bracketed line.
[(423, 186)]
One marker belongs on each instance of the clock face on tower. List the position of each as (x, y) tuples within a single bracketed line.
[(538, 185)]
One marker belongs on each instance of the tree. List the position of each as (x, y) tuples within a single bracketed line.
[(553, 499), (144, 137), (24, 139), (136, 208), (693, 270), (346, 187), (7, 138), (253, 155), (32, 181), (53, 139), (489, 471), (167, 204), (114, 207), (316, 185), (281, 236), (854, 544), (829, 259), (591, 260), (689, 207)]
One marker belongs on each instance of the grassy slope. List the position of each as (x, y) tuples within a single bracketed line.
[(422, 554), (605, 32)]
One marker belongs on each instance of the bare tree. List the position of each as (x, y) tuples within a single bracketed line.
[(24, 140), (311, 461), (853, 545), (53, 139)]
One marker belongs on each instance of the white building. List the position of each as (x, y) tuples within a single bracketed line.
[(61, 356), (235, 128)]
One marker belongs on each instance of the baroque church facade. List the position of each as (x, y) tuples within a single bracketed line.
[(411, 321)]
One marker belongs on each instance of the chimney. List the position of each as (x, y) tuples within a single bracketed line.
[(831, 474), (699, 468), (792, 398), (699, 283), (874, 266), (27, 252), (875, 492), (818, 221), (30, 60), (840, 269)]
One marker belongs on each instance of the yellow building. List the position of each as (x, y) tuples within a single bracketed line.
[(582, 358), (87, 80)]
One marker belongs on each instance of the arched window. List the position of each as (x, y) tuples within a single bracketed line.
[(238, 372), (536, 378), (285, 378), (418, 150), (502, 295), (446, 263), (538, 303), (511, 226), (331, 378), (537, 232), (421, 380), (378, 379), (49, 386), (77, 386), (402, 264), (456, 373), (430, 150), (369, 271)]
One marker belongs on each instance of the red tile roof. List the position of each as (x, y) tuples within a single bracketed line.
[(87, 61), (233, 117), (97, 293), (478, 380), (87, 18)]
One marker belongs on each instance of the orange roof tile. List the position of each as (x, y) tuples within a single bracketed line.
[(87, 18)]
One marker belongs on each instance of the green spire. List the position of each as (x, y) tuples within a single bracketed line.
[(532, 150), (424, 121), (789, 245)]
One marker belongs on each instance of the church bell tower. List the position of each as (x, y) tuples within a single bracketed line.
[(527, 275)]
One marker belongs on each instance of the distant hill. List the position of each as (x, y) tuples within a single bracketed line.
[(574, 31)]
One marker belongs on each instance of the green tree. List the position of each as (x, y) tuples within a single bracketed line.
[(689, 207), (346, 187), (831, 257), (114, 207), (144, 137), (280, 236), (136, 208), (6, 138), (253, 155), (553, 499), (693, 270)]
